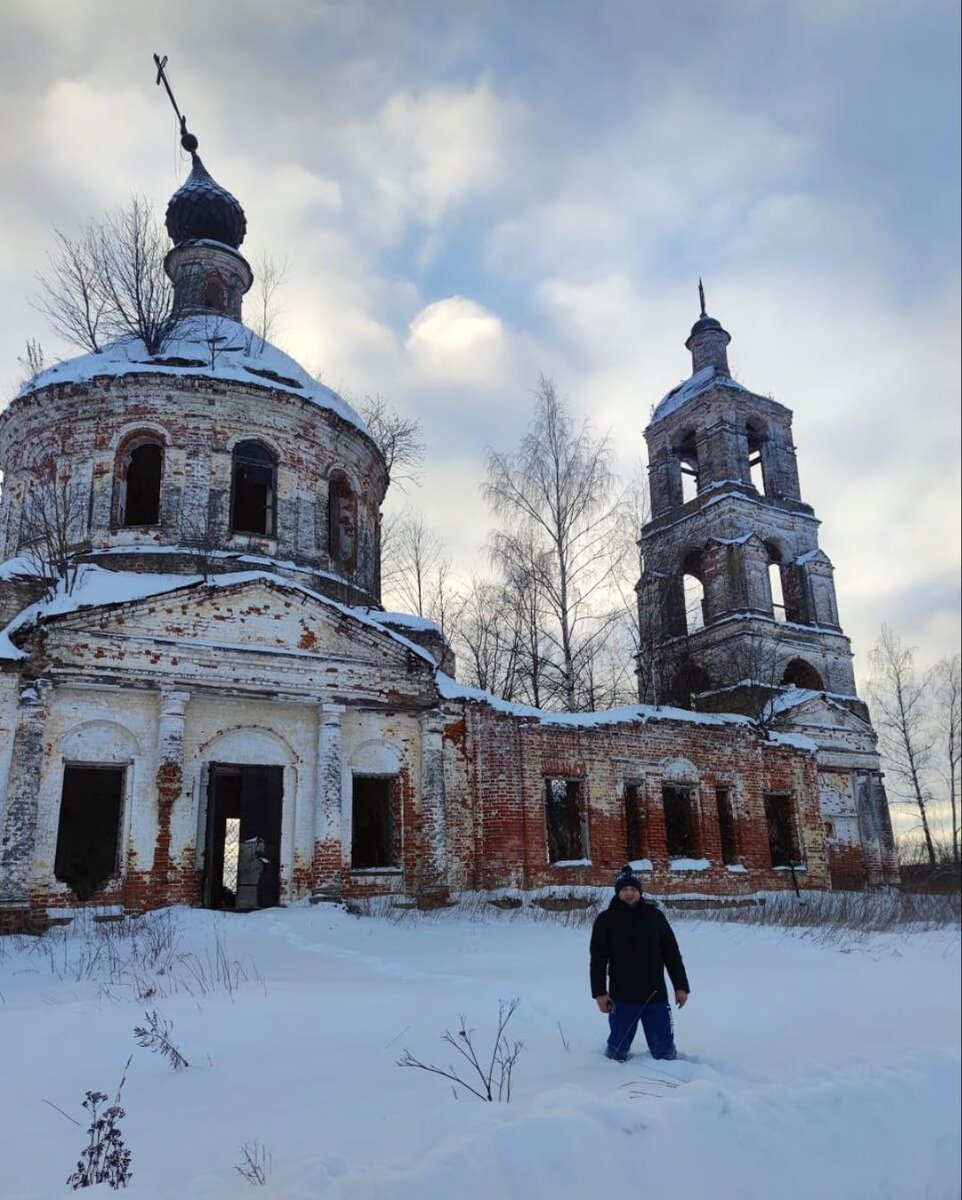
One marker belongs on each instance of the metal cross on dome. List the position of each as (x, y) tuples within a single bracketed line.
[(187, 139)]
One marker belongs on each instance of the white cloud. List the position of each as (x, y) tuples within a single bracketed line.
[(456, 340), (423, 154)]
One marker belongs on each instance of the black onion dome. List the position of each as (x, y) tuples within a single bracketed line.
[(201, 208), (703, 323)]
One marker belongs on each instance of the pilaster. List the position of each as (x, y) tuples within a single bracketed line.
[(328, 864), (23, 792)]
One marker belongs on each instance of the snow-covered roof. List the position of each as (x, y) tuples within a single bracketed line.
[(450, 689), (700, 382), (96, 587), (407, 621), (238, 354)]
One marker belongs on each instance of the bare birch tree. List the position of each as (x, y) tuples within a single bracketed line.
[(416, 571), (400, 439), (556, 542), (110, 281), (51, 525), (948, 707), (899, 700), (487, 639), (264, 309)]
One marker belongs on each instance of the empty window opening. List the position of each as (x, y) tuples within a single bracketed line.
[(689, 681), (693, 581), (795, 591), (215, 292), (636, 824), (141, 472), (775, 581), (680, 840), (726, 826), (694, 603), (341, 521), (781, 830), (566, 820), (253, 489), (374, 840), (242, 853), (801, 674), (688, 460), (756, 439), (88, 834)]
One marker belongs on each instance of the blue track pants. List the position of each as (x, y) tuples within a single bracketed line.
[(656, 1022)]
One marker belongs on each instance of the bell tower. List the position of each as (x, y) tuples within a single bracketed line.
[(735, 598)]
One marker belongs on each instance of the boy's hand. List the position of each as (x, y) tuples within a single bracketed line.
[(680, 997), (604, 1003)]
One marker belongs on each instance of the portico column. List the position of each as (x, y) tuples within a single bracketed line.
[(433, 882), (23, 792), (170, 786), (327, 868)]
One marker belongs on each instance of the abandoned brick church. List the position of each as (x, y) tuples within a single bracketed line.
[(214, 709)]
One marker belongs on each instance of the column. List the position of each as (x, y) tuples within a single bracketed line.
[(433, 881), (328, 853), (23, 792), (170, 786)]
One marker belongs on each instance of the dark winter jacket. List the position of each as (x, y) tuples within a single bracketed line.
[(634, 946)]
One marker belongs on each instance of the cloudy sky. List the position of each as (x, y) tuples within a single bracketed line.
[(472, 193)]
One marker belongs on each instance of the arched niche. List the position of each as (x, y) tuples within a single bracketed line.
[(375, 757), (99, 742), (251, 745)]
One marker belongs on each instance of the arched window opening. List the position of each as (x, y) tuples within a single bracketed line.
[(689, 682), (795, 590), (756, 439), (694, 603), (341, 521), (801, 674), (687, 454), (215, 292), (141, 470), (775, 581), (253, 489), (693, 581)]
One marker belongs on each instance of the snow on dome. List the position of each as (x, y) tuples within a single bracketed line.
[(237, 353)]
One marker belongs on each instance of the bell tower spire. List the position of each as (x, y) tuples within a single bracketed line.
[(707, 341)]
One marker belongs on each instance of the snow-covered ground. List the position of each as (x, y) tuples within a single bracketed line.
[(807, 1069)]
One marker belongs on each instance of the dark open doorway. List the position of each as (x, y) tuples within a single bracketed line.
[(242, 860)]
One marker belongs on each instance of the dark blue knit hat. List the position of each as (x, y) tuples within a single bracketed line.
[(627, 878)]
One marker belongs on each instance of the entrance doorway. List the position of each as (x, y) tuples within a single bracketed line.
[(243, 848)]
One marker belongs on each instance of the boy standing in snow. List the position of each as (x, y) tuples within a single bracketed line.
[(632, 945)]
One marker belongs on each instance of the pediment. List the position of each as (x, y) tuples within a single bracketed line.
[(255, 614), (821, 712)]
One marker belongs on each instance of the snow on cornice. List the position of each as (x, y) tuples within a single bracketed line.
[(700, 382), (239, 355)]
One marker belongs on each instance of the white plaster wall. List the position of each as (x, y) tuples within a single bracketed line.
[(264, 733), (377, 743), (87, 726)]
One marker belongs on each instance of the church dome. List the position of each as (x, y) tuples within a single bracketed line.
[(704, 322), (201, 209)]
